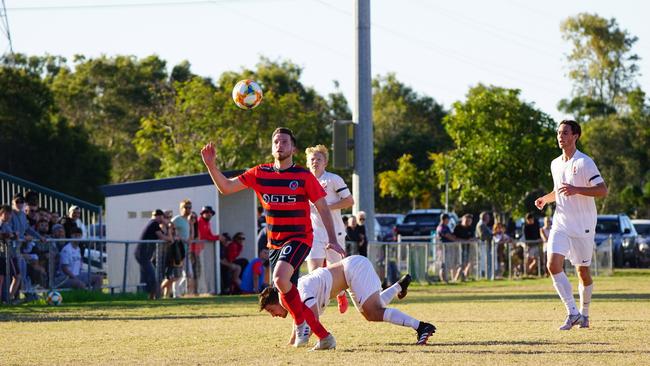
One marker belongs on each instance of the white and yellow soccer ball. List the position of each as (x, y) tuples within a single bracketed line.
[(54, 298), (247, 94)]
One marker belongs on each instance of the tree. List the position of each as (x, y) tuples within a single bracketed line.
[(38, 144), (203, 112), (108, 97), (502, 150), (601, 64), (407, 182), (405, 123)]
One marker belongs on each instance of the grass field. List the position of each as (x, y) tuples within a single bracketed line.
[(506, 322)]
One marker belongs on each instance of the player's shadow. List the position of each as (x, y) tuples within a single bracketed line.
[(501, 343), (44, 318)]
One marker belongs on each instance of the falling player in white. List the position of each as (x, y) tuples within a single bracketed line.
[(356, 274), (576, 181), (338, 197)]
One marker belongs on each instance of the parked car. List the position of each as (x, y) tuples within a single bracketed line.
[(642, 227), (623, 235), (385, 226), (423, 222)]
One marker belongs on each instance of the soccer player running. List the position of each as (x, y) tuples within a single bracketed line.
[(356, 274), (576, 181), (284, 190), (338, 197)]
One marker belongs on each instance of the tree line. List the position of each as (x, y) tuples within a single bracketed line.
[(74, 125)]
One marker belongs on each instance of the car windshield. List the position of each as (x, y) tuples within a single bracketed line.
[(642, 229), (387, 220), (608, 226), (421, 219)]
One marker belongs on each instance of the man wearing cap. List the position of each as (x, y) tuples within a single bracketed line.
[(144, 252), (205, 234), (285, 190)]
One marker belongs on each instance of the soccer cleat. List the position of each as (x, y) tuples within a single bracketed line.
[(570, 321), (343, 303), (425, 330), (302, 335), (584, 323), (326, 343), (404, 283)]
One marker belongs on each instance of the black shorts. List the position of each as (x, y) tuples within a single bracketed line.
[(292, 252)]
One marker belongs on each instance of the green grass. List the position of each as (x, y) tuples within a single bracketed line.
[(482, 323)]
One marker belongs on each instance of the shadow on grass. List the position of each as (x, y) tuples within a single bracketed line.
[(44, 318), (520, 297), (421, 349), (501, 343)]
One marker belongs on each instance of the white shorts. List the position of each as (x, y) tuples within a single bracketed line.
[(318, 250), (578, 251), (362, 279)]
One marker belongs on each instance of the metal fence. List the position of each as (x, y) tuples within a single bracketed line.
[(40, 270), (430, 260)]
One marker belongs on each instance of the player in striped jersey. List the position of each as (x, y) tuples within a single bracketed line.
[(338, 197), (356, 274), (284, 190)]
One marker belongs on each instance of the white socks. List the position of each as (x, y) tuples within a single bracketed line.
[(585, 298), (389, 294), (563, 288), (398, 318)]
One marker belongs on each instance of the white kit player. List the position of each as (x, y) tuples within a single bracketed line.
[(338, 197), (356, 274), (576, 181)]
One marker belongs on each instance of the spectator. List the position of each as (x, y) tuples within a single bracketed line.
[(70, 274), (54, 219), (501, 240), (184, 230), (533, 240), (464, 232), (444, 234), (234, 249), (262, 239), (205, 234), (230, 272), (261, 218), (173, 254), (484, 234), (144, 252), (7, 233), (19, 221), (363, 244), (544, 233), (353, 233), (74, 219), (256, 274), (32, 214), (36, 272)]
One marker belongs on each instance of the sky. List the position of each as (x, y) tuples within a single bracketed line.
[(438, 48)]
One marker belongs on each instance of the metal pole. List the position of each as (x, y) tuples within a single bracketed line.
[(126, 260), (217, 266), (363, 182)]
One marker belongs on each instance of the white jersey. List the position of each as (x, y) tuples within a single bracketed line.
[(315, 288), (336, 190), (575, 215), (71, 257)]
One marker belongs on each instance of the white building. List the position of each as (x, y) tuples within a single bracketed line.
[(129, 207)]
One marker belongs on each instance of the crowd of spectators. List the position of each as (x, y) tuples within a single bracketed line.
[(25, 229)]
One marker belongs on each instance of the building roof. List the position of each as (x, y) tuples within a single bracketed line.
[(162, 184)]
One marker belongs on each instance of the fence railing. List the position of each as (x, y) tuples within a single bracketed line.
[(39, 269), (430, 260)]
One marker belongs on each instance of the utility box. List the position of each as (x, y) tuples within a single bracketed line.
[(343, 144)]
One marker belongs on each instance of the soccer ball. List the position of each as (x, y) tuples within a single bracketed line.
[(247, 94), (54, 298)]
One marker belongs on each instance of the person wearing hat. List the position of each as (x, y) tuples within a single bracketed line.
[(144, 252), (19, 221), (205, 234), (285, 190), (73, 220)]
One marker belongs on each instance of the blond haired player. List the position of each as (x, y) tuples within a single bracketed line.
[(338, 197), (356, 274), (576, 181)]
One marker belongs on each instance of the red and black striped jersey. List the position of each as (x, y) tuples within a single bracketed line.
[(285, 196)]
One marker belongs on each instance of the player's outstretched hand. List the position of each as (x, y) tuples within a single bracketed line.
[(336, 247), (208, 154)]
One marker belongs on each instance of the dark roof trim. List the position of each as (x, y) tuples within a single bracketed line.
[(163, 184)]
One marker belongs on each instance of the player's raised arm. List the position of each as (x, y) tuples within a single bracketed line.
[(224, 185)]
